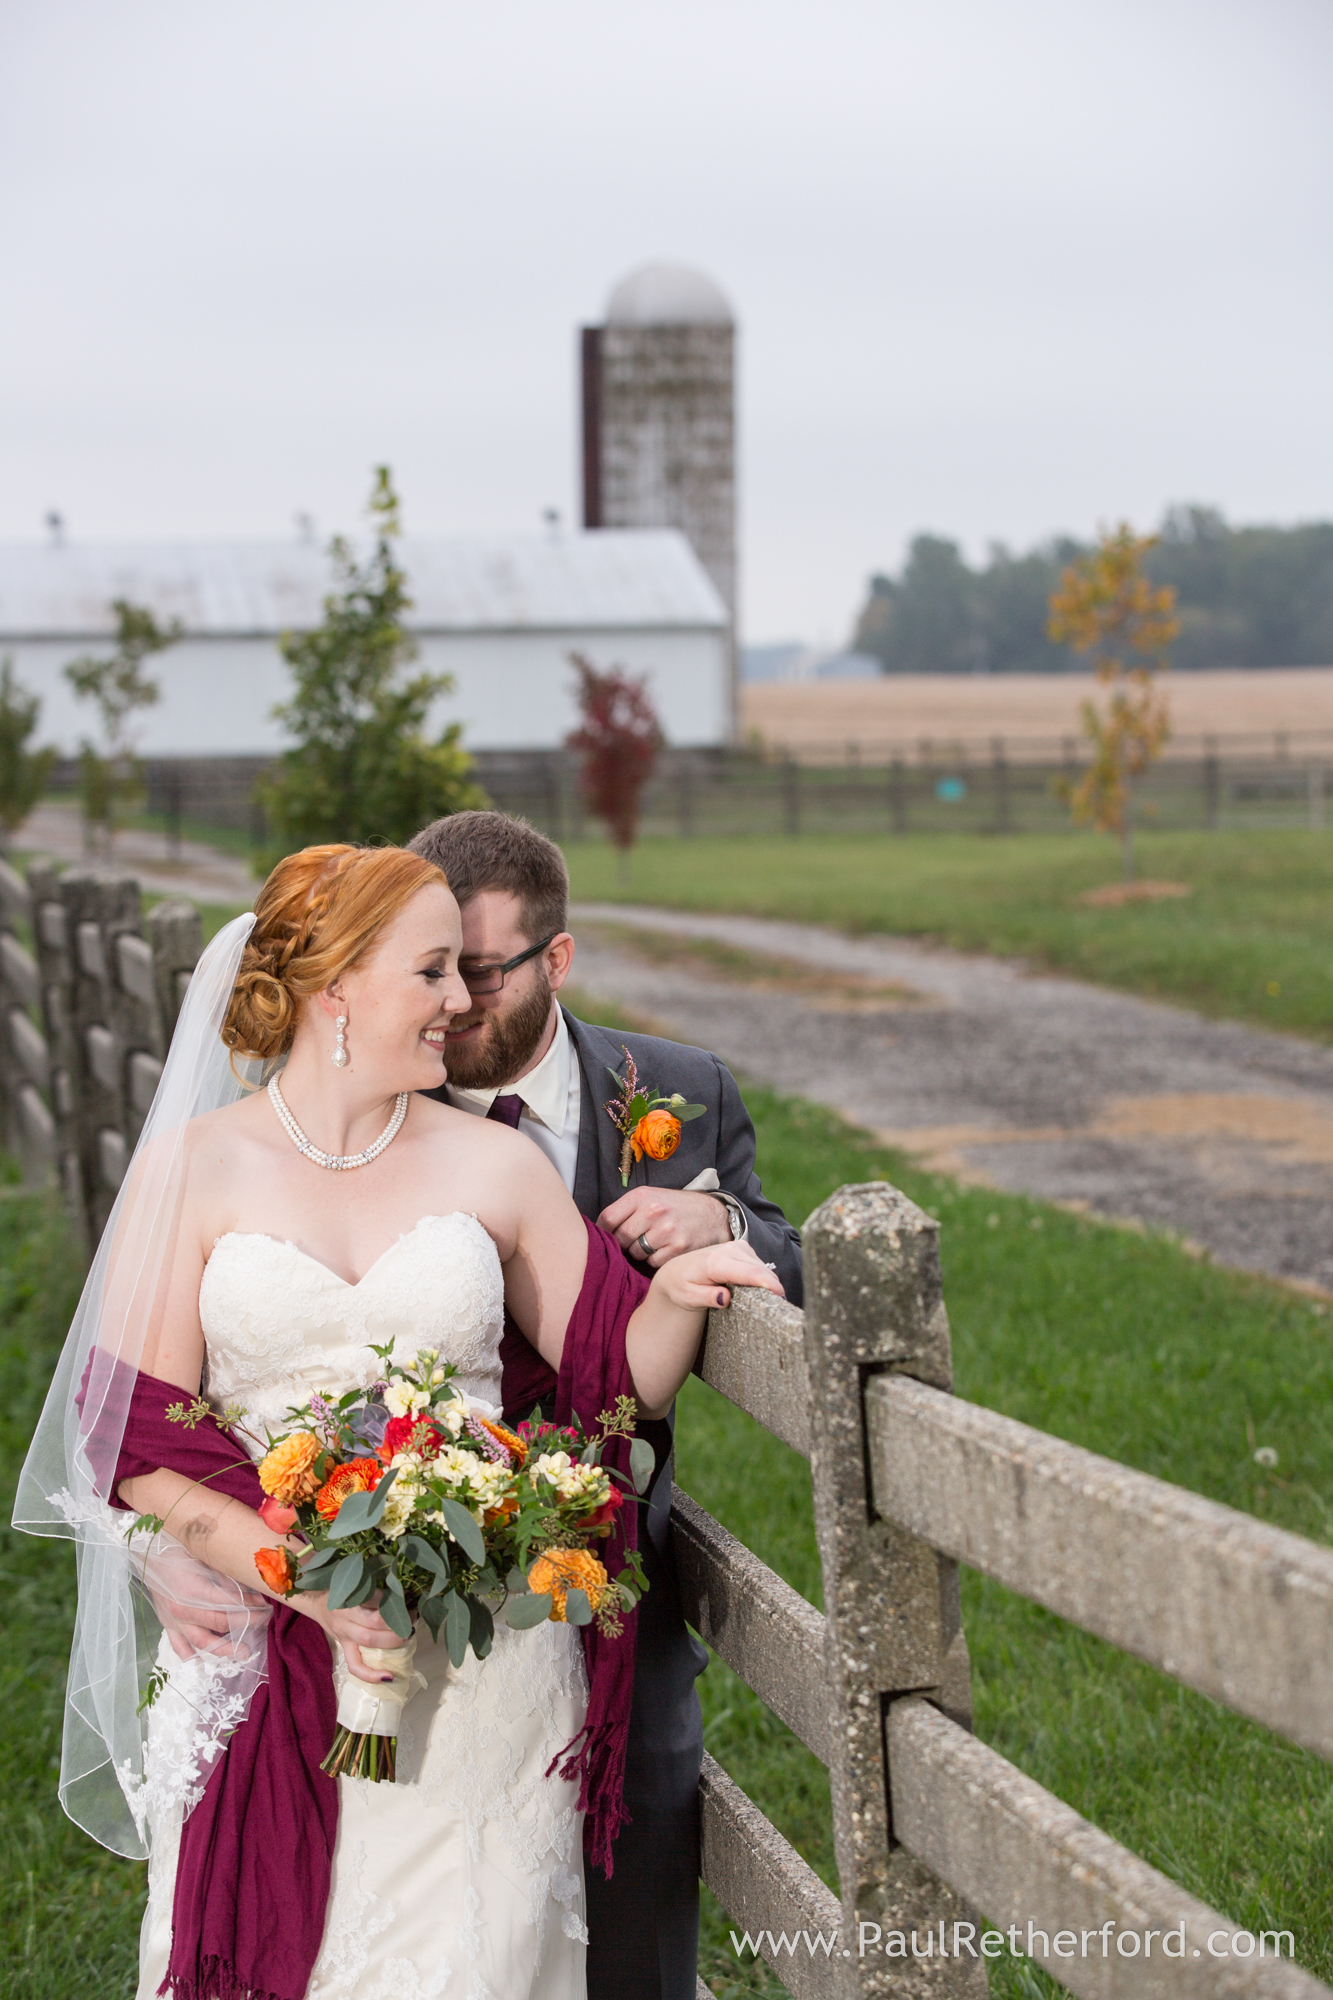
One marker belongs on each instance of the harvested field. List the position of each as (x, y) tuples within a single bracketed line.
[(814, 720)]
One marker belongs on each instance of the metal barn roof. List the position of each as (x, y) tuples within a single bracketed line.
[(614, 578)]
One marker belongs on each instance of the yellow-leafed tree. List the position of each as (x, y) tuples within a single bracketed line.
[(1104, 605)]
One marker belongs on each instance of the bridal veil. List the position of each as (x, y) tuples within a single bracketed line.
[(133, 1585)]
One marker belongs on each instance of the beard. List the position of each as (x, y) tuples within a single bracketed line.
[(507, 1044)]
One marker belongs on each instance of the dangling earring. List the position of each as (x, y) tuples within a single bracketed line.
[(340, 1053)]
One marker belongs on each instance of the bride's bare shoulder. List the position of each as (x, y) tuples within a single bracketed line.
[(230, 1125)]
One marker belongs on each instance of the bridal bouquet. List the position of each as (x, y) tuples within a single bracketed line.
[(415, 1493)]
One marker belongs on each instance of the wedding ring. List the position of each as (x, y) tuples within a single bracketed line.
[(645, 1246)]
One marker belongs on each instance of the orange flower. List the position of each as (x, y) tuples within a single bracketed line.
[(501, 1513), (277, 1567), (515, 1446), (562, 1570), (288, 1471), (359, 1475), (657, 1134)]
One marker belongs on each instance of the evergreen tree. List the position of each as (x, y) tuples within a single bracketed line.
[(360, 768)]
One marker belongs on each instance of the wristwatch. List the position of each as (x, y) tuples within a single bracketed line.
[(736, 1216)]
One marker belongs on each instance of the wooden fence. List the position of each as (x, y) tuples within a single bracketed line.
[(932, 1829), (87, 1007)]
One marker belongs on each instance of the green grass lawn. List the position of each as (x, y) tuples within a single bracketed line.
[(1254, 940), (1118, 1341)]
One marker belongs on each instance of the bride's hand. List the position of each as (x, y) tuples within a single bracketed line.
[(360, 1626), (701, 1280)]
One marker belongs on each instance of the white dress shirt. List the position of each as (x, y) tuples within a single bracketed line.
[(551, 1103)]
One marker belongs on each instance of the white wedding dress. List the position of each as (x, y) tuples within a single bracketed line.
[(464, 1880)]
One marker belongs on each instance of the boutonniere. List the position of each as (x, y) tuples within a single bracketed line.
[(647, 1121)]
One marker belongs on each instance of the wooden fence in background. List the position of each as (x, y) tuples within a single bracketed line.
[(933, 1831)]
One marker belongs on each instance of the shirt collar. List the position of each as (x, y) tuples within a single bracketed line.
[(544, 1090)]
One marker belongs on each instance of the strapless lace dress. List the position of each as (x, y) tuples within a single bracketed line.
[(464, 1880)]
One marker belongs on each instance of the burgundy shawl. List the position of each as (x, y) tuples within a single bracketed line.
[(256, 1853), (593, 1372)]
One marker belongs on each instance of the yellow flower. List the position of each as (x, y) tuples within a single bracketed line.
[(287, 1472), (562, 1570)]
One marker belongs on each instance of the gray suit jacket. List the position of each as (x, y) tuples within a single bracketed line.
[(722, 1139)]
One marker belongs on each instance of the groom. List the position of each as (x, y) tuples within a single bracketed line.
[(518, 1055)]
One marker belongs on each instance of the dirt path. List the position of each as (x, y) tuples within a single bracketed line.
[(1221, 1133), (203, 874)]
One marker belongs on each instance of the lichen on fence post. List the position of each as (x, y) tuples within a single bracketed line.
[(874, 1304)]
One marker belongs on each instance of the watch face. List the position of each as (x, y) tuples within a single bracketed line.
[(737, 1226)]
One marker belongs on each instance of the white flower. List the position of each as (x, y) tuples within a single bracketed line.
[(403, 1497), (455, 1466), (402, 1400), (436, 1376), (550, 1466), (449, 1416)]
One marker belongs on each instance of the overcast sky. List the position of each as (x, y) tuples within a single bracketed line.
[(1001, 267)]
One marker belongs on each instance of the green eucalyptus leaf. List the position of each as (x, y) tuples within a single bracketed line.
[(432, 1610), (482, 1632), (464, 1530), (522, 1613), (578, 1611), (642, 1460), (396, 1615), (457, 1629), (419, 1551), (687, 1111), (378, 1498), (517, 1583), (347, 1580), (588, 1456), (320, 1561)]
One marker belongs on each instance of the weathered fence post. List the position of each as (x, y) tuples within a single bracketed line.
[(791, 796), (25, 1064), (1000, 779), (874, 1305), (898, 795), (176, 934)]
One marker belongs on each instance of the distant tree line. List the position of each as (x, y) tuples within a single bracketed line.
[(1246, 597)]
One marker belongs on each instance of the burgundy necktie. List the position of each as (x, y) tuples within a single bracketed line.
[(508, 1110)]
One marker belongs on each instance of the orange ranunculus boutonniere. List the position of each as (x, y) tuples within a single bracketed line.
[(657, 1134), (647, 1121)]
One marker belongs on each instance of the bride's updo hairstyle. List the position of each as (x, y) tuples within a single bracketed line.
[(317, 915)]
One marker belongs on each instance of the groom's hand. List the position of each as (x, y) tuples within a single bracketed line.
[(670, 1220)]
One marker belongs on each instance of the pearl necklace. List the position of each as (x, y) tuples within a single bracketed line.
[(337, 1162)]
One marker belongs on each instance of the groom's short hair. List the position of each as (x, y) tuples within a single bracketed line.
[(489, 850)]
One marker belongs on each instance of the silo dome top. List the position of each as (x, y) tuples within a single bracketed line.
[(667, 295)]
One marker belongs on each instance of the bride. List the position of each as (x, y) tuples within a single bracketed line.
[(264, 1240)]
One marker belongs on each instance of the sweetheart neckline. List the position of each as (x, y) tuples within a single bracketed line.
[(348, 1284)]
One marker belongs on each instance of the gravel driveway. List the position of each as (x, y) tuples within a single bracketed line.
[(1220, 1133)]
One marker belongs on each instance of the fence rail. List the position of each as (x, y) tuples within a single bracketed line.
[(996, 785), (930, 1826)]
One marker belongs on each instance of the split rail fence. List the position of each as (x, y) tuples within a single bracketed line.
[(932, 1828)]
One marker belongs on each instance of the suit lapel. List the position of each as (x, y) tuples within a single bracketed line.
[(589, 1174)]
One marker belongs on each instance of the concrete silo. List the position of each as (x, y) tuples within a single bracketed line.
[(659, 421)]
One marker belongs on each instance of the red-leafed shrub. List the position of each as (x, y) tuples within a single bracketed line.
[(617, 743)]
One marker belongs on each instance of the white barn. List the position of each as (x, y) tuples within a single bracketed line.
[(500, 613)]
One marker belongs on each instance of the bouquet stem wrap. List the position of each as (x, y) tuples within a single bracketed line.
[(369, 1713)]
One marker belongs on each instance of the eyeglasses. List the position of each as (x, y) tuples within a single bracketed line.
[(490, 978)]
